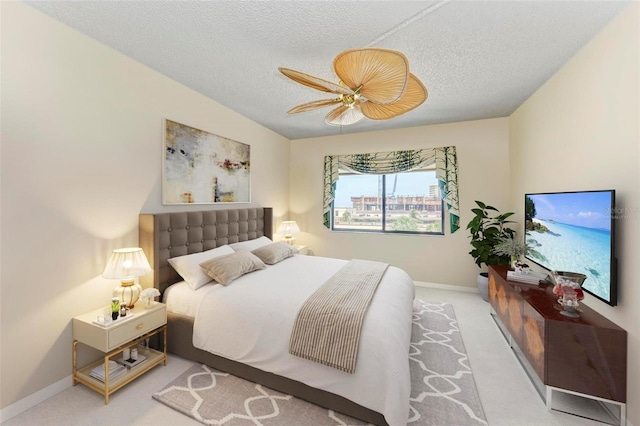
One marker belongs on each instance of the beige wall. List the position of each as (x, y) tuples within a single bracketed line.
[(482, 148), (580, 131), (81, 158)]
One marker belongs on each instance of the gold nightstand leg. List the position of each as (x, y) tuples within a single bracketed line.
[(106, 380), (75, 343), (165, 345)]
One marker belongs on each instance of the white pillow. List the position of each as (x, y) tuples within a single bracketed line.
[(188, 266), (251, 245)]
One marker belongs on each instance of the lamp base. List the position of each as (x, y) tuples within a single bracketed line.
[(288, 239), (128, 292)]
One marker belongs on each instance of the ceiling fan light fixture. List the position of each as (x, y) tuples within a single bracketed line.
[(344, 116), (374, 83), (350, 100)]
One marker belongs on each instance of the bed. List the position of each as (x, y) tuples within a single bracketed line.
[(169, 235)]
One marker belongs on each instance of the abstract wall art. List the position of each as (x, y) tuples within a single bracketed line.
[(202, 168)]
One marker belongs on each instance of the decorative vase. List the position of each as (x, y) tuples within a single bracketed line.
[(128, 292), (148, 302), (563, 279)]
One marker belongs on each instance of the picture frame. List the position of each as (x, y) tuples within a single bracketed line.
[(200, 167)]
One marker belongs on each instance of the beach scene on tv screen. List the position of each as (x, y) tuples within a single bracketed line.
[(572, 232)]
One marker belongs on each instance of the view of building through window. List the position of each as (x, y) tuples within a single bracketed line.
[(412, 203)]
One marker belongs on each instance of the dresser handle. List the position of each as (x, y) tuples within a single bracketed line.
[(139, 326)]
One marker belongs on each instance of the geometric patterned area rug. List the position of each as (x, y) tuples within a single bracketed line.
[(443, 390)]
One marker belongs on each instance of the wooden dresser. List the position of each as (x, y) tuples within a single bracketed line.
[(586, 356)]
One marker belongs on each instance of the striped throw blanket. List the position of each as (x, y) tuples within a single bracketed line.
[(327, 328)]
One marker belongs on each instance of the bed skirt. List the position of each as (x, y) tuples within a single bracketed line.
[(179, 342)]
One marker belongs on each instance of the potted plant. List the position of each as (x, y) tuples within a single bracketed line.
[(512, 247), (487, 228)]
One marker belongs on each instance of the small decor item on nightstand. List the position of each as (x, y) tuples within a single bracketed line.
[(105, 318), (115, 308), (143, 348), (131, 357), (148, 295), (126, 264)]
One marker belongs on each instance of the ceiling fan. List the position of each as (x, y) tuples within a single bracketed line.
[(374, 83)]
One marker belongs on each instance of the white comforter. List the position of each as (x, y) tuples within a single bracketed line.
[(250, 321)]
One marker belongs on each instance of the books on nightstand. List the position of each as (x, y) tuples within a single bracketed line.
[(115, 370), (531, 277)]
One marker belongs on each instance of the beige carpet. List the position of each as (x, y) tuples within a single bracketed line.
[(443, 388)]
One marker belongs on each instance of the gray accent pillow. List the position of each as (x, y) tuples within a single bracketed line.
[(274, 253), (225, 269)]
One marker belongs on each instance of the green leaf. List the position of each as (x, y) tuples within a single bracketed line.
[(503, 216)]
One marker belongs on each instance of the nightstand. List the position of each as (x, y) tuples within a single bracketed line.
[(140, 324), (304, 250)]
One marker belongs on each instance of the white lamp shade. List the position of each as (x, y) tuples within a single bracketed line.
[(127, 263), (288, 228)]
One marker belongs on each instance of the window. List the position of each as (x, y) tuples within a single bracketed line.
[(437, 167), (412, 203)]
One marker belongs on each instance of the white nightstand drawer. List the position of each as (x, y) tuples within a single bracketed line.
[(106, 338), (136, 327)]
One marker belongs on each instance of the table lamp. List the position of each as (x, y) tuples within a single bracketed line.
[(126, 264), (288, 228)]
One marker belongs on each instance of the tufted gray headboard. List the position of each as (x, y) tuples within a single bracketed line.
[(166, 235)]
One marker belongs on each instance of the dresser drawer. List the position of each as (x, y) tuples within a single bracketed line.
[(136, 327)]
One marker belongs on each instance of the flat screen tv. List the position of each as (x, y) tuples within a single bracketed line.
[(574, 231)]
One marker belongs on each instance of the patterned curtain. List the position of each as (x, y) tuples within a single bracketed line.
[(396, 162)]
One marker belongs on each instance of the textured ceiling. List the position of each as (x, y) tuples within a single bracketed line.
[(478, 59)]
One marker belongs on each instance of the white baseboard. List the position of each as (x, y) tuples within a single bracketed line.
[(446, 287), (34, 399)]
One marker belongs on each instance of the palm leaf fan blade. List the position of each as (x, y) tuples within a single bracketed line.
[(415, 94), (382, 73), (315, 82), (344, 116), (313, 105)]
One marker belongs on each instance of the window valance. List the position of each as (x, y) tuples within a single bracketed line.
[(444, 158)]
